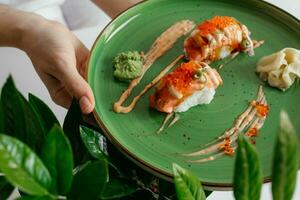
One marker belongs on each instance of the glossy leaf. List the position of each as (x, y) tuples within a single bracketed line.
[(248, 174), (20, 120), (285, 160), (166, 189), (5, 188), (187, 185), (35, 198), (207, 192), (71, 125), (22, 167), (141, 195), (80, 167), (127, 167), (89, 182), (58, 158), (118, 188), (241, 175), (94, 142), (45, 115), (12, 111), (2, 122)]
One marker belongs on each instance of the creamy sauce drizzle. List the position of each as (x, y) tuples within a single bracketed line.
[(175, 119), (166, 120), (210, 158), (257, 44), (161, 45), (247, 121)]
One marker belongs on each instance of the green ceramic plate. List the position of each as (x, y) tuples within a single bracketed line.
[(134, 133)]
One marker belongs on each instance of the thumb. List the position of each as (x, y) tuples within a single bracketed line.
[(79, 88), (75, 83)]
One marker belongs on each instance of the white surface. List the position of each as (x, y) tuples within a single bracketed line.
[(50, 9), (86, 14), (15, 62), (76, 14)]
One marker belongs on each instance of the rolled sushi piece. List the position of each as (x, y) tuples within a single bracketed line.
[(190, 84), (218, 38)]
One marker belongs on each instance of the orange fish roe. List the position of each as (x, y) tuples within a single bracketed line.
[(229, 151), (253, 132), (206, 28), (226, 147), (223, 21), (262, 110), (217, 22), (182, 76)]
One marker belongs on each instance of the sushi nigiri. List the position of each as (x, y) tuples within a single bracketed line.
[(217, 38), (190, 84)]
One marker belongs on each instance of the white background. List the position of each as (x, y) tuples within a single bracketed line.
[(15, 62)]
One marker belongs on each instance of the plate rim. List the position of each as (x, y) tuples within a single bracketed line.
[(131, 156)]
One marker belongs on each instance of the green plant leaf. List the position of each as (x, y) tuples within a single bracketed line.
[(248, 174), (285, 160), (141, 194), (80, 167), (2, 119), (118, 188), (94, 142), (5, 188), (166, 189), (35, 198), (241, 175), (22, 167), (96, 145), (71, 125), (89, 182), (187, 185), (20, 120), (127, 167), (58, 158), (45, 115), (207, 192)]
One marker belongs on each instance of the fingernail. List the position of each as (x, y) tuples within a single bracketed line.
[(85, 105)]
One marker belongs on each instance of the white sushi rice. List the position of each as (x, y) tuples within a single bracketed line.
[(224, 52), (204, 96)]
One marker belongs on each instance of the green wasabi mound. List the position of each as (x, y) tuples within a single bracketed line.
[(128, 66)]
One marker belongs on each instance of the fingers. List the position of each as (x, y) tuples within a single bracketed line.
[(72, 84), (69, 75), (86, 101), (79, 88), (64, 82), (82, 54), (56, 89), (59, 57), (62, 97)]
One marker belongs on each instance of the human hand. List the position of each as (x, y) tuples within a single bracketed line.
[(59, 59)]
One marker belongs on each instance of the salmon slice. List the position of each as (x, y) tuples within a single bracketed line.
[(177, 87), (217, 38)]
